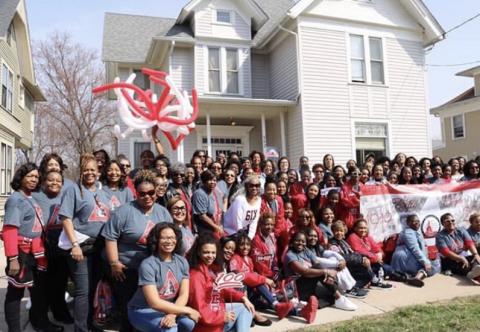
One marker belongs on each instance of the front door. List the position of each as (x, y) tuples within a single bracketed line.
[(225, 145)]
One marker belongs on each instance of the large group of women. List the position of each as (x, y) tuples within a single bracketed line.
[(162, 235)]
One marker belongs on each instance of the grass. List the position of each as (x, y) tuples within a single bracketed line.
[(461, 314)]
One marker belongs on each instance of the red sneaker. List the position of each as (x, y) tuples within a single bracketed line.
[(309, 312), (283, 309)]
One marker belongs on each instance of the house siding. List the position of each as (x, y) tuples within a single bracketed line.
[(283, 70), (260, 76), (200, 70), (246, 69), (295, 141), (181, 68), (325, 96), (407, 99), (206, 26)]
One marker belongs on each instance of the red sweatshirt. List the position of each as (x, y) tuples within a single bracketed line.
[(239, 264), (204, 297), (349, 204), (365, 247), (264, 262), (280, 224)]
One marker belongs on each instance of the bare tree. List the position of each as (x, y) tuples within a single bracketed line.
[(73, 120)]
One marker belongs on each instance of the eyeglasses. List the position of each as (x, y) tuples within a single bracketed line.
[(179, 209), (150, 193), (230, 175), (125, 165), (355, 174), (161, 165), (254, 185), (178, 175)]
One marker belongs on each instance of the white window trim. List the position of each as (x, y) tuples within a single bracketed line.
[(21, 96), (242, 132), (215, 18), (13, 86), (12, 166), (223, 71), (463, 125), (367, 59), (387, 123)]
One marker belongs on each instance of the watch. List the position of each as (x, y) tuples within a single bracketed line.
[(75, 244)]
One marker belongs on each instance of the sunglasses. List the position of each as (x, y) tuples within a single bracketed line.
[(179, 208), (125, 165), (254, 185), (230, 175), (150, 193), (178, 174)]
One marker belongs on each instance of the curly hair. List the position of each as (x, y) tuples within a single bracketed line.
[(153, 238), (104, 176), (144, 176), (193, 256), (21, 172)]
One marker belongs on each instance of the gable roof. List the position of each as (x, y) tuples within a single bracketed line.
[(127, 38), (470, 72), (464, 96), (7, 12)]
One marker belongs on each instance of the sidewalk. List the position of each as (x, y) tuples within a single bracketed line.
[(438, 288)]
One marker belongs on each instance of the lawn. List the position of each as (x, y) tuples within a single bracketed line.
[(460, 314)]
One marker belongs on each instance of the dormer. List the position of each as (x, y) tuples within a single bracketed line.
[(475, 74), (223, 19)]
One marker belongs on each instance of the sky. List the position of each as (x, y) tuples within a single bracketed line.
[(84, 21)]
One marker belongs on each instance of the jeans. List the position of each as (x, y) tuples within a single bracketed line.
[(39, 309), (86, 275), (123, 292), (148, 320), (243, 318), (262, 291)]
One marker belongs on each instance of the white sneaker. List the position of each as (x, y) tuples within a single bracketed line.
[(474, 272), (345, 304)]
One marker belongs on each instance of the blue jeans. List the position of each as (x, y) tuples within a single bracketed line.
[(148, 320), (243, 318)]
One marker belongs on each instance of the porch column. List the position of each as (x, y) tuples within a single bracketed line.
[(209, 136), (181, 152), (282, 133), (264, 134)]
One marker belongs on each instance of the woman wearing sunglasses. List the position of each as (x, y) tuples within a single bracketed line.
[(244, 212), (126, 239), (228, 184)]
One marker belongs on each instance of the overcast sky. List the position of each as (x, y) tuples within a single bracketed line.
[(84, 20)]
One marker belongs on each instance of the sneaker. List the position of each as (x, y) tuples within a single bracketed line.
[(448, 273), (283, 309), (345, 304), (474, 272), (356, 293), (415, 282), (381, 285), (309, 312)]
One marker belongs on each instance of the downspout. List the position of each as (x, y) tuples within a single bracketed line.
[(299, 73)]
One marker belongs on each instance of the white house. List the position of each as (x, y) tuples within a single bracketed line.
[(308, 77)]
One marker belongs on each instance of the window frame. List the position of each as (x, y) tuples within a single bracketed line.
[(231, 14), (363, 60), (463, 127), (216, 70), (367, 62), (9, 92), (6, 167), (224, 71)]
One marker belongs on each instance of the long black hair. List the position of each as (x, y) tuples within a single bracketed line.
[(194, 253), (153, 238), (21, 172)]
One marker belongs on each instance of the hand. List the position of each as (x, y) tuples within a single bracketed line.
[(220, 229), (428, 267), (168, 321), (379, 257), (154, 132), (77, 253), (329, 277), (366, 262), (117, 271), (229, 316), (476, 258), (249, 305), (270, 283), (13, 267), (193, 315), (341, 265), (464, 262)]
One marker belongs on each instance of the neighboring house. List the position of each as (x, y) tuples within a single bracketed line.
[(308, 77), (460, 121), (18, 90)]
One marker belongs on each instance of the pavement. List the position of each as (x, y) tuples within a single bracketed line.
[(377, 302)]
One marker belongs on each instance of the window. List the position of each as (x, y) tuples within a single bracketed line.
[(366, 59), (141, 80), (21, 96), (458, 126), (7, 88), (6, 163), (232, 71), (357, 58), (138, 148), (223, 70), (10, 34), (214, 70), (224, 16), (370, 138)]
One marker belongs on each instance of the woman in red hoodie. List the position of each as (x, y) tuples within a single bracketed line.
[(206, 297), (350, 199)]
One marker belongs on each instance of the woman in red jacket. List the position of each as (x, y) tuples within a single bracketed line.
[(350, 199), (272, 203), (206, 297)]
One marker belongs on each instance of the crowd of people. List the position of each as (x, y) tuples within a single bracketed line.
[(162, 235)]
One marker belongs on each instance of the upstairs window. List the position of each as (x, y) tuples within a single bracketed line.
[(458, 126), (366, 60), (223, 70), (357, 58), (224, 16), (7, 88)]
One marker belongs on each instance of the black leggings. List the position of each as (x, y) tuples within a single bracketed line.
[(325, 293)]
